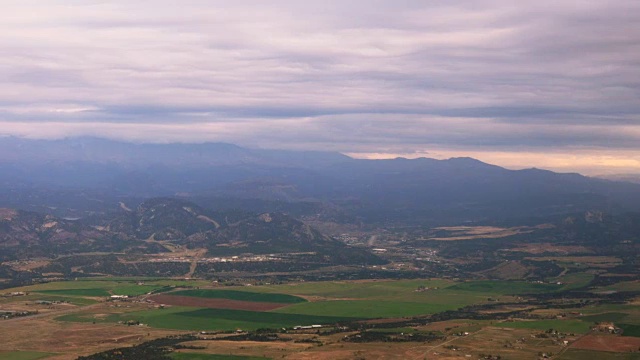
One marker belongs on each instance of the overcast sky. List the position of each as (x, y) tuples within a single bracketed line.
[(552, 84)]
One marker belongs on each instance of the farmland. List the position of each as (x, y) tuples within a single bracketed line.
[(196, 356), (574, 354), (23, 355), (241, 296), (195, 319), (608, 343), (391, 311), (330, 302), (565, 326), (367, 308), (105, 287), (215, 303), (504, 287)]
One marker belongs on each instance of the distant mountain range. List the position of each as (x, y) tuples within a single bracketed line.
[(633, 178), (77, 177)]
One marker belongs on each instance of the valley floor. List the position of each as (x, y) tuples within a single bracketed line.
[(372, 319)]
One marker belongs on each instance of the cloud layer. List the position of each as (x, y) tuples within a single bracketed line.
[(365, 77)]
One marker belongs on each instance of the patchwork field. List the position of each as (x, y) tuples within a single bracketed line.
[(197, 306), (227, 299), (241, 296), (278, 306), (103, 288), (367, 308), (215, 303), (202, 319)]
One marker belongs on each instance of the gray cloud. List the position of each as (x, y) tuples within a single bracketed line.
[(356, 76)]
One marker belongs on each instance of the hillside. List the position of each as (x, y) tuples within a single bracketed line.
[(158, 225), (25, 235), (231, 232)]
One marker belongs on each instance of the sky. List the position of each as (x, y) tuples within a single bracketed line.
[(551, 84)]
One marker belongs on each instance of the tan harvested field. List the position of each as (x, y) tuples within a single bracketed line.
[(508, 270), (444, 326), (21, 305), (274, 350), (215, 303), (543, 248), (509, 343), (31, 265), (479, 232), (608, 343), (331, 350), (70, 340), (591, 261)]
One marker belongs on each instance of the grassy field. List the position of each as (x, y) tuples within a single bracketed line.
[(104, 287), (565, 326), (380, 290), (580, 262), (241, 295), (605, 317), (366, 308), (575, 280), (504, 287), (406, 330), (630, 329), (623, 313), (184, 318), (440, 292), (48, 297), (77, 292), (23, 355), (623, 286), (194, 356)]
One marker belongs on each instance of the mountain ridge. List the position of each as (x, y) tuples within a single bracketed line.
[(422, 190)]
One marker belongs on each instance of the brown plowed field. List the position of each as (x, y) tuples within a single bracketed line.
[(215, 303), (607, 343)]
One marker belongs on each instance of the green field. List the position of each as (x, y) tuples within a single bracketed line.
[(406, 330), (379, 290), (623, 313), (630, 329), (241, 295), (23, 355), (185, 318), (48, 297), (565, 326), (575, 280), (77, 292), (605, 317), (505, 287), (366, 308), (623, 286), (104, 287), (440, 292), (195, 356)]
